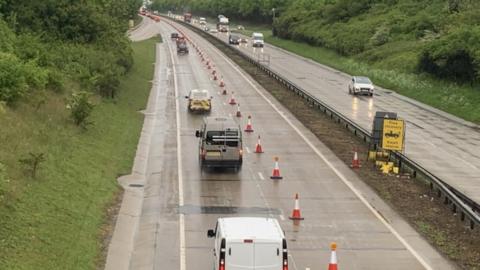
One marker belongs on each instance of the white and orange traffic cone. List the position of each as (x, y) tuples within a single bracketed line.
[(222, 83), (333, 257), (276, 171), (215, 77), (249, 127), (224, 92), (239, 114), (258, 146), (232, 100), (296, 215), (355, 161)]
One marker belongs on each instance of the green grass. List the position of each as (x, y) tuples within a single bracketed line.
[(55, 220), (459, 100)]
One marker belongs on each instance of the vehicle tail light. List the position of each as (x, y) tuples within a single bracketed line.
[(222, 264), (222, 255), (240, 152), (285, 255), (203, 153)]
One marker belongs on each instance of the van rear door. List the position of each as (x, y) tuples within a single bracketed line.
[(240, 256), (268, 256)]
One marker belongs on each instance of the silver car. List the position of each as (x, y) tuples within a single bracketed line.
[(360, 85)]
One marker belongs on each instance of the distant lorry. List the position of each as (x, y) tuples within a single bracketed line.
[(182, 47), (249, 243), (187, 17), (222, 24)]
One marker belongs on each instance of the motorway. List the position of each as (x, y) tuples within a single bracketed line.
[(179, 201), (445, 145)]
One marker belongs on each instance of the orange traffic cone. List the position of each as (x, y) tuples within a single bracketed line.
[(222, 83), (239, 114), (232, 100), (249, 125), (276, 171), (214, 72), (224, 92), (355, 161), (296, 210), (333, 257), (258, 147), (215, 77)]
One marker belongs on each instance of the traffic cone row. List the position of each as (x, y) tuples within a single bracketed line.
[(249, 127), (355, 161), (296, 214), (232, 100), (258, 146), (239, 114), (333, 257), (276, 171)]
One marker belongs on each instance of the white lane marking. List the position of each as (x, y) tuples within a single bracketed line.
[(260, 175), (246, 147), (282, 217), (179, 166), (330, 165)]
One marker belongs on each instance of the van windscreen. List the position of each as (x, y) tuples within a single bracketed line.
[(223, 137)]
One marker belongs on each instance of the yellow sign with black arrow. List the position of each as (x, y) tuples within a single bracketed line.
[(393, 134)]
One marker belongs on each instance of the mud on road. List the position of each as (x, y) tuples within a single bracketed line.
[(410, 197)]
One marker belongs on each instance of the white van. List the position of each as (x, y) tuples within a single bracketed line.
[(257, 40), (243, 243)]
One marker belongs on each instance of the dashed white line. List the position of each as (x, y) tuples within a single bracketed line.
[(282, 217), (246, 147), (260, 175)]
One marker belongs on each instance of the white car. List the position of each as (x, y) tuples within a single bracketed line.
[(360, 85), (213, 30), (249, 243)]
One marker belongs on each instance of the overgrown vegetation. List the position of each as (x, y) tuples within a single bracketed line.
[(54, 221), (57, 179), (47, 43)]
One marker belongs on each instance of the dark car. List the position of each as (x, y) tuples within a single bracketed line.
[(232, 39), (174, 35), (182, 48)]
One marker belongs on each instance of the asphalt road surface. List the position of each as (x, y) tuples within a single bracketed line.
[(445, 145), (180, 201)]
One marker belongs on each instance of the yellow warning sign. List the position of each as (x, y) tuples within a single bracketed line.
[(393, 134)]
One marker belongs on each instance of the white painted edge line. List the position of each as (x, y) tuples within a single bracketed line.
[(260, 175), (121, 246), (246, 147), (330, 165), (179, 166)]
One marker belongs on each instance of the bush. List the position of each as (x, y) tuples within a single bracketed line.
[(80, 108), (13, 82), (455, 56)]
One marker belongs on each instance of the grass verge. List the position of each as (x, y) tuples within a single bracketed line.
[(55, 220), (410, 197), (459, 100)]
